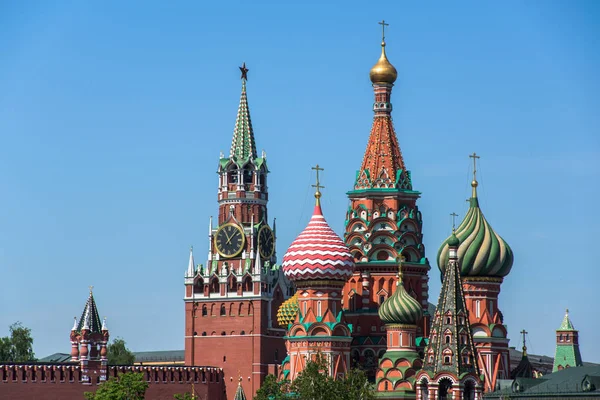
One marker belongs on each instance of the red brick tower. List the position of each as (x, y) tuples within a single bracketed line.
[(232, 301), (89, 339), (383, 223), (319, 264), (485, 259)]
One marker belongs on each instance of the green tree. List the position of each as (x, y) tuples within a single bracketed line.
[(18, 347), (128, 386), (119, 354), (313, 383), (272, 389)]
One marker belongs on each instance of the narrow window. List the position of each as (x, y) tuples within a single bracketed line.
[(333, 309), (491, 307), (319, 309), (477, 309), (447, 339)]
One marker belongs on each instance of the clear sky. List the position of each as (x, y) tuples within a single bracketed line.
[(113, 114)]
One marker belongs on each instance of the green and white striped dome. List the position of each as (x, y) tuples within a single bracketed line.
[(482, 252), (400, 308)]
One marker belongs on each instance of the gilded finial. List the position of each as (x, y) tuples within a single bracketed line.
[(383, 72), (400, 260), (91, 289), (318, 186), (474, 183), (524, 332)]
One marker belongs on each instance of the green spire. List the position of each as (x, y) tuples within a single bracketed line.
[(243, 145), (566, 325)]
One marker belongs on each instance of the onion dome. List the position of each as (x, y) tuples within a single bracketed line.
[(383, 71), (288, 311), (318, 253), (481, 251), (401, 307)]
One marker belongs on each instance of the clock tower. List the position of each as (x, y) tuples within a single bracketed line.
[(232, 300)]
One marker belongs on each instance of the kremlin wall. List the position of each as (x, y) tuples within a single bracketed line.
[(362, 300)]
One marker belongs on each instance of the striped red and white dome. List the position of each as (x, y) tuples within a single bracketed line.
[(318, 253)]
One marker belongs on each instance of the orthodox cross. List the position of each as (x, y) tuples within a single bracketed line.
[(244, 71), (454, 215), (383, 25), (318, 186), (91, 288), (474, 156), (524, 332)]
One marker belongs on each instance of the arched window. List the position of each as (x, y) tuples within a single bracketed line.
[(242, 332), (447, 339), (223, 333), (223, 311), (204, 310), (381, 299), (319, 309), (232, 175), (447, 359), (203, 333)]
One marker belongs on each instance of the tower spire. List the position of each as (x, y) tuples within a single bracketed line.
[(383, 166), (243, 145)]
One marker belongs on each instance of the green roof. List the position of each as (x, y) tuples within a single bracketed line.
[(566, 324), (577, 382)]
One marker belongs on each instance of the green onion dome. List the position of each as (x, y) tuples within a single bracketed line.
[(401, 307), (481, 251), (288, 311)]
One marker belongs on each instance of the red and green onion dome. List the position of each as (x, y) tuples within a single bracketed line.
[(318, 253), (288, 311), (401, 307), (481, 251)]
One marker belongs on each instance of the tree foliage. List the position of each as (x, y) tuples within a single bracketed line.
[(18, 347), (119, 354), (313, 383), (272, 389), (128, 386)]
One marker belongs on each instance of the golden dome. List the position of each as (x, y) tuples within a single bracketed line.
[(383, 71)]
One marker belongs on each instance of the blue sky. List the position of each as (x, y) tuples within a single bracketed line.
[(113, 114)]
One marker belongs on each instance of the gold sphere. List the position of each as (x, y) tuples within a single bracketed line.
[(383, 71), (474, 183)]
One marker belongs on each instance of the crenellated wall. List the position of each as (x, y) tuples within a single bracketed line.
[(64, 381)]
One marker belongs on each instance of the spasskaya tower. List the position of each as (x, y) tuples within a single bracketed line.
[(232, 300)]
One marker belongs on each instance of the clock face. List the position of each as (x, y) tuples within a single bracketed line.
[(229, 240), (266, 242)]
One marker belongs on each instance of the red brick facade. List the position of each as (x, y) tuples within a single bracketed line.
[(65, 381)]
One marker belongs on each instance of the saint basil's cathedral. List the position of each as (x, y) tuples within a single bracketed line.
[(361, 300)]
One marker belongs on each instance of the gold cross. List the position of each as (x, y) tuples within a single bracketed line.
[(474, 156), (318, 186), (383, 25), (454, 215), (91, 288)]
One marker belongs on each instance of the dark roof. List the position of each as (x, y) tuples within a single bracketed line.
[(523, 370), (156, 356), (56, 358), (90, 311), (569, 382)]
